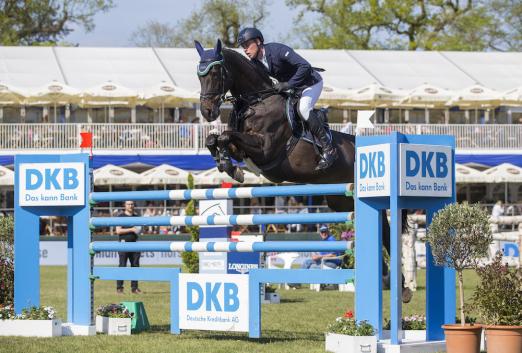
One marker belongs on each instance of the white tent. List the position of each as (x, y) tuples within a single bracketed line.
[(467, 175), (166, 94), (334, 95), (375, 94), (54, 92), (114, 175), (215, 177), (427, 94), (504, 173), (475, 96), (10, 94), (164, 174), (109, 93), (6, 176), (512, 97)]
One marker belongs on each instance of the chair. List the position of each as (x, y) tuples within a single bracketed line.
[(288, 259)]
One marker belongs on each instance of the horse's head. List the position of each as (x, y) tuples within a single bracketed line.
[(213, 78)]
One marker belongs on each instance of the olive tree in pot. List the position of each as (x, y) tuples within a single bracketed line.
[(498, 302), (459, 236)]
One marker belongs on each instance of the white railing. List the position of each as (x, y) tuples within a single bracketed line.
[(192, 136)]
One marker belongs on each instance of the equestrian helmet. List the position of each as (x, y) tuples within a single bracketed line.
[(249, 33)]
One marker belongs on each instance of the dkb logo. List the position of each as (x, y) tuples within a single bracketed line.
[(428, 164), (212, 296), (371, 165), (52, 178)]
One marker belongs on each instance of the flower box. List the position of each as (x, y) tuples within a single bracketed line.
[(113, 326), (31, 328), (348, 287), (337, 343)]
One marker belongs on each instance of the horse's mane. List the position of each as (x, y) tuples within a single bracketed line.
[(259, 75)]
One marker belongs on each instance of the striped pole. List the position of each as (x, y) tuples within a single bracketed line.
[(248, 219), (226, 193), (263, 246)]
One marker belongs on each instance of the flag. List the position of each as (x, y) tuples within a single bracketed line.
[(363, 120), (86, 139)]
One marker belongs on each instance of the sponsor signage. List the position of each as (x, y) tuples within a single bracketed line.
[(51, 184), (213, 302), (373, 171), (425, 170)]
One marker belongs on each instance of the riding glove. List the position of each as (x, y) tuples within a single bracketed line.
[(281, 86)]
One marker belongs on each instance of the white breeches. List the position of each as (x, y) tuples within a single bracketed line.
[(309, 98)]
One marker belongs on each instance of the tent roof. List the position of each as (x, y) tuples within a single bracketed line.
[(164, 174), (215, 177), (114, 175), (504, 173), (465, 174)]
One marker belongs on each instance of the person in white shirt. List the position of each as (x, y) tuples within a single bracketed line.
[(498, 210)]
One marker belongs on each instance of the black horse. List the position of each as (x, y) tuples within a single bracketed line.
[(259, 131)]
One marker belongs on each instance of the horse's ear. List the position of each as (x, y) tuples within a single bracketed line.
[(217, 49), (199, 48)]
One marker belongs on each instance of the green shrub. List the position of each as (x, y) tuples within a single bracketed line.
[(191, 259), (6, 260), (347, 325), (498, 296)]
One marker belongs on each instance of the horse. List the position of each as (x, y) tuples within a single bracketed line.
[(260, 133)]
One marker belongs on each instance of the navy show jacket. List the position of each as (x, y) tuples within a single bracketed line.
[(287, 66)]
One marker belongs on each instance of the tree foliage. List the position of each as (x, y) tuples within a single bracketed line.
[(28, 22), (214, 19), (411, 24), (6, 260)]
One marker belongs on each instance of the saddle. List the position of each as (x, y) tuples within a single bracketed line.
[(300, 130)]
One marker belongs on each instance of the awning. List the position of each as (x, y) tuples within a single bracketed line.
[(6, 176), (164, 174), (504, 173), (215, 177), (466, 175)]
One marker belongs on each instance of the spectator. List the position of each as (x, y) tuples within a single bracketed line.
[(315, 261), (498, 210), (128, 234)]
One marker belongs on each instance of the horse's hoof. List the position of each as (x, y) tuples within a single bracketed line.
[(239, 176), (407, 294)]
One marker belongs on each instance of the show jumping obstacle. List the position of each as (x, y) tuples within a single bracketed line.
[(393, 172)]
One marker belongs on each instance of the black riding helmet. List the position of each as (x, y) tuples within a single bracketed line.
[(249, 33)]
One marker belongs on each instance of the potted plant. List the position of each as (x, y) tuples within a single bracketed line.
[(498, 302), (346, 335), (113, 319), (32, 322), (413, 328), (459, 236), (271, 296)]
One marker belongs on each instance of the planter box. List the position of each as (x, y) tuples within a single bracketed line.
[(272, 298), (348, 287), (31, 328), (337, 343), (113, 326), (410, 335)]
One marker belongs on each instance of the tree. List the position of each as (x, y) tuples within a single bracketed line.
[(214, 19), (411, 24), (27, 22)]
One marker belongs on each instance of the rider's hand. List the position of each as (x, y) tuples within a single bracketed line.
[(281, 86)]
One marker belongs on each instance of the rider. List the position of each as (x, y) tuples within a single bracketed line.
[(293, 72)]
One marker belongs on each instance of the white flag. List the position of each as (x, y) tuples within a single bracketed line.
[(363, 120)]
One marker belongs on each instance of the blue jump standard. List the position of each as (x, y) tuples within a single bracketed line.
[(266, 246), (307, 218), (225, 193)]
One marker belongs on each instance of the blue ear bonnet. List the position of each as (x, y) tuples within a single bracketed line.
[(209, 58)]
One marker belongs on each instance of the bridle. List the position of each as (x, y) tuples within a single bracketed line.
[(224, 74)]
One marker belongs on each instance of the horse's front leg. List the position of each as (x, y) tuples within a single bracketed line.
[(228, 150), (212, 144)]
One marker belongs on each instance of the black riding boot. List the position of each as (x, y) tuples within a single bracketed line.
[(315, 121)]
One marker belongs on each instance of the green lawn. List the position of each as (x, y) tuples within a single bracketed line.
[(296, 325)]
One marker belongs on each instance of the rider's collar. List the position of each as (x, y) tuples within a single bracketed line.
[(204, 66)]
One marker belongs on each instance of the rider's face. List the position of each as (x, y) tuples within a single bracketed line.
[(251, 48)]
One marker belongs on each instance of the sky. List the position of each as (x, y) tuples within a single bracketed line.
[(114, 28)]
